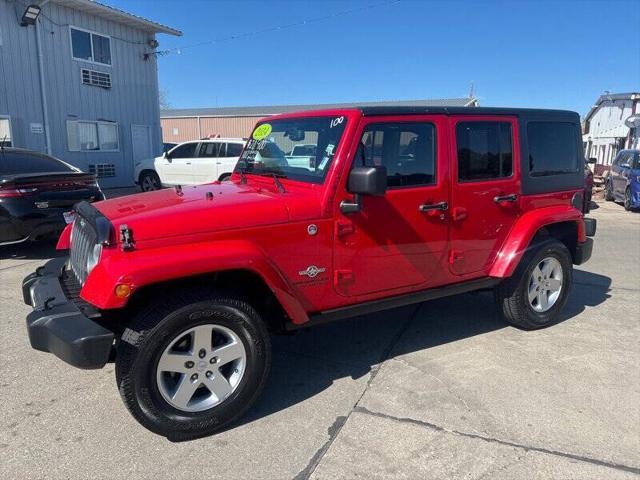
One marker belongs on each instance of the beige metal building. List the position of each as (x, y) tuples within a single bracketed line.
[(181, 125)]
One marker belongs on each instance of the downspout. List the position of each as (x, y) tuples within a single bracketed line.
[(43, 91)]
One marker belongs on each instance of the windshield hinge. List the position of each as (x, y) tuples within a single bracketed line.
[(126, 238), (278, 183)]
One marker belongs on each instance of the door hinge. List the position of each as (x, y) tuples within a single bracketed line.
[(344, 228), (342, 277), (456, 257)]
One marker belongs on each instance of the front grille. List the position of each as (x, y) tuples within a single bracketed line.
[(83, 238), (71, 288)]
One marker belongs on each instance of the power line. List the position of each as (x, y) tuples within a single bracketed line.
[(274, 28)]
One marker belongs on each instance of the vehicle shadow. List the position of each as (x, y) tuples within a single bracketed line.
[(309, 362), (38, 250)]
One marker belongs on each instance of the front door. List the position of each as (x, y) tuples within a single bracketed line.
[(485, 190), (175, 168), (399, 240)]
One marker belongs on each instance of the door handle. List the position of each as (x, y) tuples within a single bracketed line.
[(434, 206), (188, 163), (505, 198)]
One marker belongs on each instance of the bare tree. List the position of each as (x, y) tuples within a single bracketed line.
[(163, 97)]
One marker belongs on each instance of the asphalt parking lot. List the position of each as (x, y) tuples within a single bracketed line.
[(442, 390)]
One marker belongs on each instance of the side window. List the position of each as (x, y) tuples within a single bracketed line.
[(223, 150), (625, 160), (408, 150), (187, 150), (209, 149), (234, 149), (485, 150), (553, 148)]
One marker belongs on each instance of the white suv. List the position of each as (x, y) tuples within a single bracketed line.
[(190, 163)]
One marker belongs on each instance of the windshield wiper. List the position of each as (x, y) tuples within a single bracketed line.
[(278, 183), (243, 178)]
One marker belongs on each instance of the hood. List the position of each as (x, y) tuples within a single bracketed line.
[(196, 210)]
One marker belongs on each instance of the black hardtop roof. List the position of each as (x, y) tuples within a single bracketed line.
[(403, 110)]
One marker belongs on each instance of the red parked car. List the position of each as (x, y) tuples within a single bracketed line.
[(396, 206)]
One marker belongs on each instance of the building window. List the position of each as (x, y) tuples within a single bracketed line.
[(90, 46), (5, 132), (83, 136)]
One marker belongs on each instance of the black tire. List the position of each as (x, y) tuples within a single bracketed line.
[(149, 181), (148, 335), (224, 177), (512, 294), (627, 199), (608, 191)]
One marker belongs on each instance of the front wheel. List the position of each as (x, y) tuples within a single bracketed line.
[(149, 181), (189, 369), (608, 191), (538, 290), (627, 199)]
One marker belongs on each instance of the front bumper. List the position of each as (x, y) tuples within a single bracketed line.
[(57, 325)]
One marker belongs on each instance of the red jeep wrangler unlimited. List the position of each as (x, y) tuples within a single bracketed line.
[(387, 207)]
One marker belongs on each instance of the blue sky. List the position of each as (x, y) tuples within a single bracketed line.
[(518, 53)]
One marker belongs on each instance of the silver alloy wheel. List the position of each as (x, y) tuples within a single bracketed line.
[(545, 284), (149, 182), (201, 367)]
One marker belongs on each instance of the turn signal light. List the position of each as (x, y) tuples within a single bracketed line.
[(123, 290)]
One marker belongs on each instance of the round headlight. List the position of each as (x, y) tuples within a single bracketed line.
[(94, 257)]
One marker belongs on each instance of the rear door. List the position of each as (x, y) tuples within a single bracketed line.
[(227, 163), (622, 174), (175, 169), (205, 167), (485, 189), (399, 240)]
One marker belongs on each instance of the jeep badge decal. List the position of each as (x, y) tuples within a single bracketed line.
[(312, 271)]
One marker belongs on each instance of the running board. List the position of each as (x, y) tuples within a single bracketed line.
[(394, 302)]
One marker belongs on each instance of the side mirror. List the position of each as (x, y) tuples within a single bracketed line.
[(364, 181), (368, 180), (592, 160), (166, 156)]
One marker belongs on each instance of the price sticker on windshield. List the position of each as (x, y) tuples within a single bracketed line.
[(336, 121), (262, 131)]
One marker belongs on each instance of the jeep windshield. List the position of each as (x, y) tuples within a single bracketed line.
[(297, 148)]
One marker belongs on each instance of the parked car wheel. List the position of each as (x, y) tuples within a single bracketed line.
[(193, 366), (149, 181), (224, 177), (608, 191), (538, 290), (627, 199)]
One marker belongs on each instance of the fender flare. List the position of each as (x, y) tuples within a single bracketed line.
[(147, 267), (523, 231)]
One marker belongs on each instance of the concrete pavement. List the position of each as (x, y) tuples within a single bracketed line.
[(441, 390)]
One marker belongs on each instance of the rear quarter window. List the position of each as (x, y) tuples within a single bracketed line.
[(552, 148), (15, 163)]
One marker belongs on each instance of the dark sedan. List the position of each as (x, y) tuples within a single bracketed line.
[(37, 194)]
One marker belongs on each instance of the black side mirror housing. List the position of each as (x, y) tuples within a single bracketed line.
[(364, 181), (368, 181)]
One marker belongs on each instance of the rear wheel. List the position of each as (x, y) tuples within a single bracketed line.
[(608, 191), (225, 177), (149, 181), (191, 367), (538, 290)]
